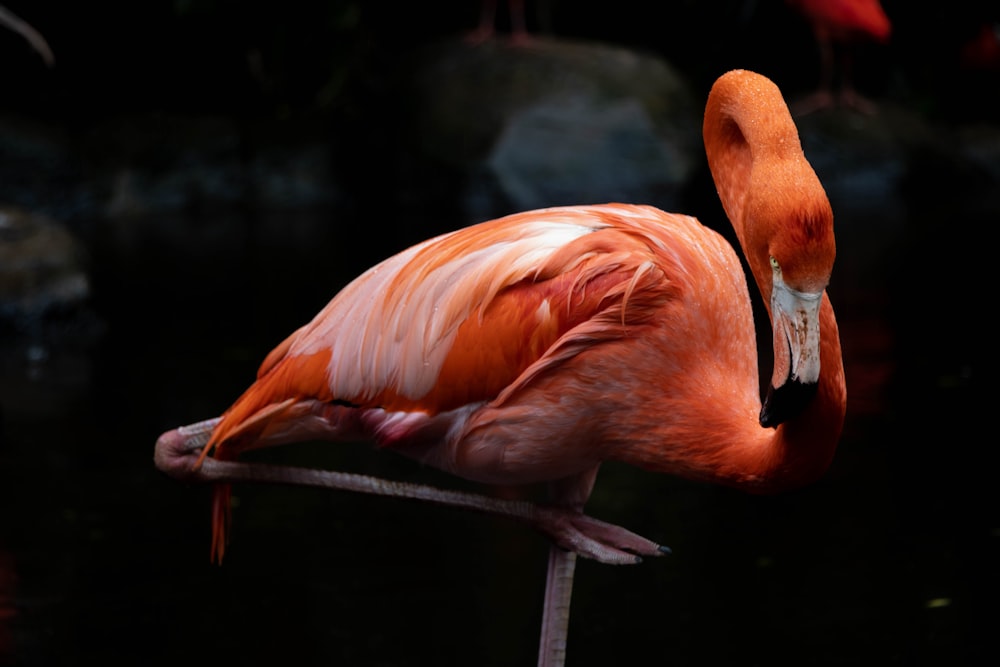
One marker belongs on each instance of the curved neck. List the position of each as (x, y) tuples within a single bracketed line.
[(718, 439), (802, 448), (784, 224)]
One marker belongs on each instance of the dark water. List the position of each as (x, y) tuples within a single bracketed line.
[(891, 559)]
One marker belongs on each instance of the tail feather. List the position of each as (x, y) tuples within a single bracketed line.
[(238, 428), (283, 383), (222, 519)]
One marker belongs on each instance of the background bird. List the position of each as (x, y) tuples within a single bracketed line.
[(533, 348), (839, 25), (982, 50)]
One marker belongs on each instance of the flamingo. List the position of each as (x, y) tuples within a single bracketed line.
[(534, 347), (982, 51), (843, 23)]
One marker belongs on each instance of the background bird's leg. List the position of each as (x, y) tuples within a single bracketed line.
[(827, 63), (571, 493), (518, 26), (487, 21), (822, 97), (849, 96)]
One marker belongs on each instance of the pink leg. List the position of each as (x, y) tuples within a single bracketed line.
[(177, 454), (571, 493), (849, 97), (555, 616), (487, 20), (519, 29), (822, 98), (571, 531)]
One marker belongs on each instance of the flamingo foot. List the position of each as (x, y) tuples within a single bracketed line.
[(177, 451), (592, 538)]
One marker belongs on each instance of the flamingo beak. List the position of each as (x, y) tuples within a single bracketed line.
[(795, 322)]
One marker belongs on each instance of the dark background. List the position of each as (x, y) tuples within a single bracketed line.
[(191, 55), (891, 559)]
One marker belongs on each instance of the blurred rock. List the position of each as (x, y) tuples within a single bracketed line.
[(159, 162), (40, 169), (557, 122), (47, 324), (42, 268)]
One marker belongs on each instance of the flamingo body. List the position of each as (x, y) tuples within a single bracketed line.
[(534, 347), (482, 351)]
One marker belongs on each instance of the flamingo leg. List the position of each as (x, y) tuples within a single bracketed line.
[(849, 96), (555, 613), (487, 18), (487, 23), (571, 492), (177, 454), (825, 97), (822, 97), (519, 29)]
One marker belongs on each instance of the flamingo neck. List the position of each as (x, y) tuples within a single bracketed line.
[(777, 207), (720, 440)]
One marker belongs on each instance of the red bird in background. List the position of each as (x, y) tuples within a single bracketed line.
[(982, 52), (533, 348), (838, 25)]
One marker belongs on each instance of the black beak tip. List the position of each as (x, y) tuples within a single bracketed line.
[(786, 402)]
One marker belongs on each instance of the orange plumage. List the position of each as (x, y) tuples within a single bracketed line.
[(534, 347)]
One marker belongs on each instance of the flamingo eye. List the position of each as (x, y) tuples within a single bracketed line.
[(774, 264)]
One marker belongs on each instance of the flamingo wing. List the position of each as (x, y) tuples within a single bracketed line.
[(460, 320)]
